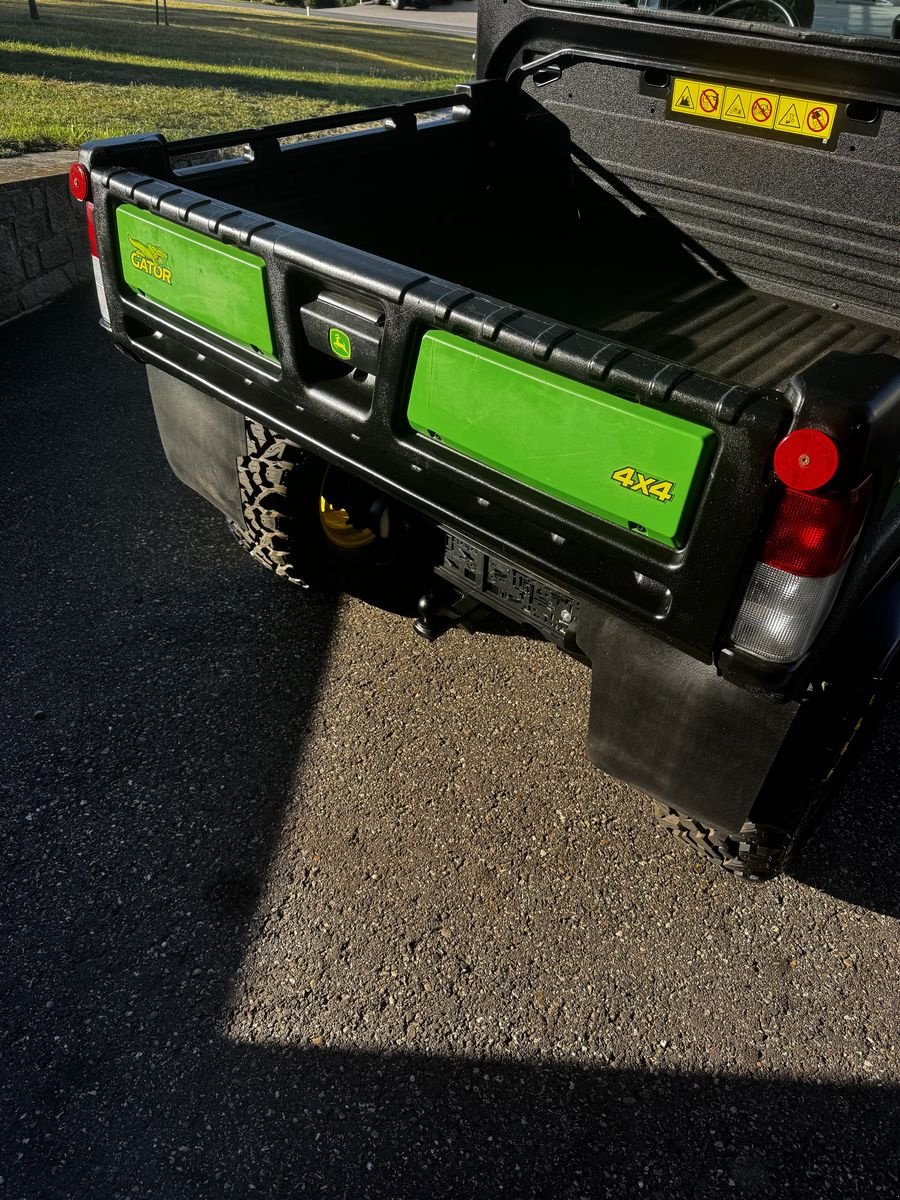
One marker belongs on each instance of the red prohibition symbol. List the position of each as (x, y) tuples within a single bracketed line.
[(762, 109), (818, 119), (709, 100)]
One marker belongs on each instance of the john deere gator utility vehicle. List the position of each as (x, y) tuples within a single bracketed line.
[(638, 388)]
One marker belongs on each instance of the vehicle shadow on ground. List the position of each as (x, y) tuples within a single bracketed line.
[(158, 693)]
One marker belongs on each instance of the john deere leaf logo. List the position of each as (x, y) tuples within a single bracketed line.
[(339, 343), (150, 259)]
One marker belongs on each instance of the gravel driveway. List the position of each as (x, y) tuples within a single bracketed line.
[(296, 904)]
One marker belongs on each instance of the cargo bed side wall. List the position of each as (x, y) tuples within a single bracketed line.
[(813, 224), (402, 193)]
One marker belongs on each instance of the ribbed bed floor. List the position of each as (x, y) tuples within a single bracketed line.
[(676, 309), (731, 331)]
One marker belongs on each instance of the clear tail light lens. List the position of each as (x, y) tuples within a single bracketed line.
[(782, 613), (801, 568)]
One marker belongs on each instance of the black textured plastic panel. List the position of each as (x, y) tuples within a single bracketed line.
[(504, 586), (814, 225), (726, 329), (800, 222)]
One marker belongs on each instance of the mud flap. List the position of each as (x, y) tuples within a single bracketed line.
[(202, 438), (671, 726)]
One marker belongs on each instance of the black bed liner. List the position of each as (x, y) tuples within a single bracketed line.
[(717, 325), (726, 329), (522, 197)]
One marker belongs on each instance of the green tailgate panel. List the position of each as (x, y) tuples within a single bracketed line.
[(564, 438), (220, 287)]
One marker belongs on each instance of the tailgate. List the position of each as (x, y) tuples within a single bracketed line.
[(219, 287), (638, 467), (629, 464)]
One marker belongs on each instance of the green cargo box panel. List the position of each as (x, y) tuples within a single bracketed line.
[(629, 464), (219, 287)]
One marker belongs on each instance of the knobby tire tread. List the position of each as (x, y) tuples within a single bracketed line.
[(263, 475)]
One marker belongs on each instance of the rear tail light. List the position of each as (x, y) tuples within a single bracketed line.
[(95, 262), (812, 535), (799, 572), (92, 230)]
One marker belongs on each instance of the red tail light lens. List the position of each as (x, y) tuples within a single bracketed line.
[(92, 232), (812, 535), (79, 181)]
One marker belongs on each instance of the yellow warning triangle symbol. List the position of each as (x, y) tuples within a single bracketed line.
[(790, 120), (736, 108), (684, 100)]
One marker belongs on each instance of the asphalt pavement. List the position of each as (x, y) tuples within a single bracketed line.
[(296, 904)]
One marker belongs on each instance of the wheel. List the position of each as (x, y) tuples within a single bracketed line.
[(397, 3), (754, 853), (317, 527), (804, 777)]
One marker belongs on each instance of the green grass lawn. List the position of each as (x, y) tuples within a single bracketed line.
[(99, 68)]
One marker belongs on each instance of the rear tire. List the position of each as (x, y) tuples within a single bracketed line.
[(755, 853), (268, 531), (297, 524), (812, 763)]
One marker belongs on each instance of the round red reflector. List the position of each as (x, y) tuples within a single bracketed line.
[(79, 181), (806, 460)]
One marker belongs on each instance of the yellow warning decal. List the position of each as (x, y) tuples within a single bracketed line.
[(737, 105), (684, 96), (795, 115), (744, 106)]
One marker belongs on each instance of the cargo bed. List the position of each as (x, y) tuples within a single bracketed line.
[(503, 201)]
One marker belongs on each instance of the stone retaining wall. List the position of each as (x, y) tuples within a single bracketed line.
[(43, 240)]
